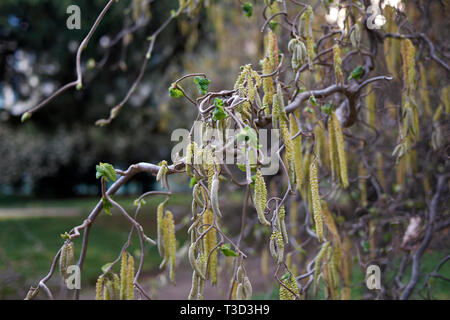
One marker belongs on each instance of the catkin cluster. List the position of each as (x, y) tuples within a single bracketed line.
[(247, 86), (112, 287), (66, 258), (242, 288), (260, 198), (338, 158), (305, 30), (209, 245), (292, 293), (315, 200), (337, 65)]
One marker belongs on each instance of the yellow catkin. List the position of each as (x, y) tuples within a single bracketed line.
[(315, 197), (268, 87), (318, 264), (264, 263), (159, 227), (306, 22), (290, 264), (445, 98), (189, 153), (340, 150), (282, 224), (289, 146), (371, 108), (293, 218), (291, 283), (130, 278), (272, 48), (372, 239), (380, 171), (331, 226), (277, 238), (260, 198), (332, 274), (334, 160), (209, 242), (123, 276), (170, 243), (201, 261), (346, 269), (297, 146), (107, 290), (337, 65), (116, 286), (424, 92), (99, 288), (362, 183)]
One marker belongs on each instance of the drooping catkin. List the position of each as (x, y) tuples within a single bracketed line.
[(63, 261), (268, 87), (297, 146), (331, 226), (272, 49), (130, 278), (332, 274), (282, 224), (346, 268), (215, 196), (123, 275), (293, 218), (340, 150), (380, 171), (190, 149), (107, 290), (170, 243), (334, 159), (288, 145), (278, 251), (370, 107), (315, 197), (99, 288), (264, 263), (260, 198), (305, 29), (445, 98), (248, 290), (337, 65), (362, 172), (116, 286), (318, 263), (291, 283), (159, 227), (424, 91), (201, 261), (209, 242), (372, 248)]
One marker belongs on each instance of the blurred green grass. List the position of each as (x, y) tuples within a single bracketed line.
[(28, 245)]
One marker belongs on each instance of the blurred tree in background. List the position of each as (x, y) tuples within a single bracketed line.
[(60, 147)]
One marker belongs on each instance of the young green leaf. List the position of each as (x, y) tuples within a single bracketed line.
[(106, 171), (193, 182), (248, 9), (202, 84), (357, 73), (107, 206), (226, 250), (219, 113), (313, 101), (175, 92)]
